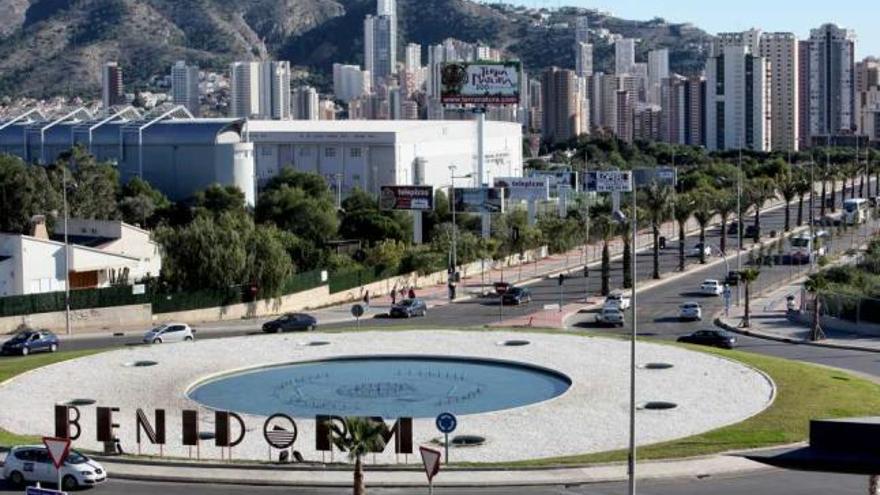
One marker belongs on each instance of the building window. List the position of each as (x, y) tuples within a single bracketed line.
[(330, 152), (356, 153)]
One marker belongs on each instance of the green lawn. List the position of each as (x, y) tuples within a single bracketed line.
[(12, 366), (804, 392)]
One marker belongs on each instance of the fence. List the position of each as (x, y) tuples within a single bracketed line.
[(855, 309), (79, 299), (345, 280)]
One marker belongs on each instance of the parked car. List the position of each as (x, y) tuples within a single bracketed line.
[(618, 299), (517, 296), (291, 323), (169, 332), (732, 278), (712, 287), (611, 315), (28, 341), (32, 463), (751, 230), (699, 249), (409, 308), (731, 228), (690, 311), (712, 337)]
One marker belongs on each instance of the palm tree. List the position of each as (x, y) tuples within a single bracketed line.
[(788, 188), (748, 276), (604, 225), (358, 437), (725, 205), (826, 174), (815, 285), (684, 208), (624, 228), (657, 200), (760, 191), (802, 186), (704, 210)]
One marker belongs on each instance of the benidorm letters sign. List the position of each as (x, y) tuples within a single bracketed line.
[(483, 84), (279, 430)]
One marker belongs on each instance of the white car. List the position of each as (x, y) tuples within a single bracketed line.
[(610, 316), (699, 248), (690, 311), (619, 300), (712, 287), (32, 463), (169, 332)]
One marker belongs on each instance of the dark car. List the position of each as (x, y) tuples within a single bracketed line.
[(409, 308), (732, 278), (713, 337), (28, 341), (731, 227), (517, 296), (752, 231), (291, 323)]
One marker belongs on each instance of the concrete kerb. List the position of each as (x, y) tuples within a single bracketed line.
[(720, 322)]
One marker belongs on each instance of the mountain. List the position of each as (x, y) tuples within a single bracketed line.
[(50, 47)]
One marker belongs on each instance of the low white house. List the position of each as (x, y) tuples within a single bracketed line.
[(102, 253)]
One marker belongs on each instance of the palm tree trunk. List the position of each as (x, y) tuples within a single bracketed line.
[(606, 270), (681, 239), (656, 232), (862, 185), (702, 244), (723, 242), (747, 321), (814, 327), (787, 217), (359, 488), (800, 215), (627, 263), (822, 205), (757, 236)]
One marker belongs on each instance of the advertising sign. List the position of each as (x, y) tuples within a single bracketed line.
[(484, 84), (420, 198), (665, 176), (524, 188), (479, 200), (558, 179), (610, 181)]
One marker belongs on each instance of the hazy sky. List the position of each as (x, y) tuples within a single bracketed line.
[(736, 15)]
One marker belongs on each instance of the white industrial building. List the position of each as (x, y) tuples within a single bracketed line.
[(101, 253), (181, 155)]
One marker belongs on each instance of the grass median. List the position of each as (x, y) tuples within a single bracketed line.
[(10, 367)]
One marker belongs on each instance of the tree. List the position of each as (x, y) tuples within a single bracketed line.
[(268, 265), (684, 208), (826, 173), (140, 203), (725, 205), (314, 185), (294, 210), (92, 187), (657, 201), (748, 276), (625, 229), (704, 210), (361, 219), (803, 185), (759, 191), (815, 285), (604, 225), (25, 191), (217, 200), (358, 437), (788, 188)]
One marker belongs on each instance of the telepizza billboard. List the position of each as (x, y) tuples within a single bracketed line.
[(482, 84)]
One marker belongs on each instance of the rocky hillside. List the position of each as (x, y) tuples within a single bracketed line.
[(50, 47)]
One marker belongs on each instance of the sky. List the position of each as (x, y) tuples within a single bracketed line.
[(738, 15)]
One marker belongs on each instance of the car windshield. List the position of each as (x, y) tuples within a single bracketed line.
[(690, 306), (407, 302), (23, 335), (515, 291), (76, 458), (159, 328)]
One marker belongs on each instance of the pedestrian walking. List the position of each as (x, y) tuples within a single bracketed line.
[(394, 295), (412, 293), (367, 297)]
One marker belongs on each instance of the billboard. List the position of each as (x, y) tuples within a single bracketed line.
[(419, 198), (609, 181), (484, 84), (478, 200), (642, 177), (558, 178), (524, 188)]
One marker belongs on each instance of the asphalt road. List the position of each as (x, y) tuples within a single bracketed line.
[(767, 482)]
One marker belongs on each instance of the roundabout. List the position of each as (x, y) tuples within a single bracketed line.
[(558, 395)]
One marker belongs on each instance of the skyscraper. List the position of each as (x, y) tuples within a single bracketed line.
[(350, 82), (561, 108), (306, 103), (737, 101), (781, 50), (750, 39), (867, 96), (185, 87), (413, 60), (583, 59), (111, 85), (261, 90), (581, 30), (803, 108), (380, 41), (832, 81), (658, 70), (624, 56)]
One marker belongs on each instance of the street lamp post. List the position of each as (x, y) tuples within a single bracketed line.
[(66, 254), (739, 223), (632, 363), (452, 178)]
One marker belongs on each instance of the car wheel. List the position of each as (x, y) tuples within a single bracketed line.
[(424, 313), (68, 484), (16, 478), (53, 348), (310, 328), (187, 339), (278, 330), (25, 351), (157, 341)]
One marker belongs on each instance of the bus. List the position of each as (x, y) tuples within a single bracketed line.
[(802, 246), (856, 211)]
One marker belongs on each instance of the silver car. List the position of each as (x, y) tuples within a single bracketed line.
[(169, 332), (690, 311)]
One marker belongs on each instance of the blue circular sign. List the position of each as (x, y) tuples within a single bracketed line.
[(446, 422)]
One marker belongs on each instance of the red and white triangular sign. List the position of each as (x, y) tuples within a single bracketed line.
[(431, 460), (58, 449)]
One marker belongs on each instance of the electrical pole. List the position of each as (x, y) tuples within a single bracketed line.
[(66, 253), (632, 363)]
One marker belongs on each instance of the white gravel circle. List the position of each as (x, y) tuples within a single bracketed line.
[(592, 416)]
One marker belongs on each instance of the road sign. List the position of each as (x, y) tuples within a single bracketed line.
[(431, 460), (32, 490), (357, 310), (446, 422), (58, 449)]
